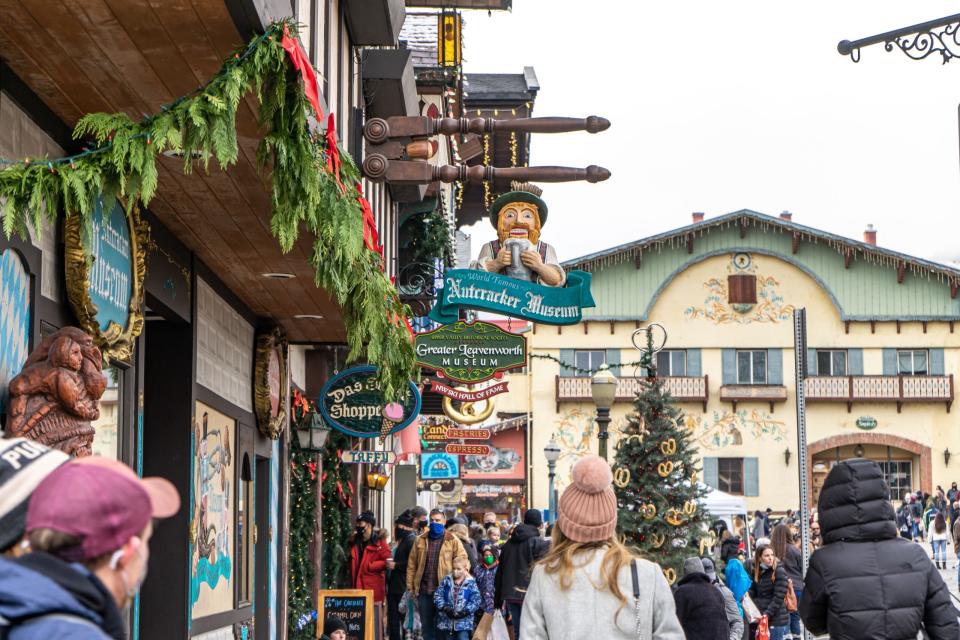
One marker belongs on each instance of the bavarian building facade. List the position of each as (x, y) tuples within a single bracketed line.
[(882, 355)]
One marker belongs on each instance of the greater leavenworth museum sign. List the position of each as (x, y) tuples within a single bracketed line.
[(352, 403), (471, 353)]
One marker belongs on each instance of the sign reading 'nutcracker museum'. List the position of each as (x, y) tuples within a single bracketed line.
[(471, 352)]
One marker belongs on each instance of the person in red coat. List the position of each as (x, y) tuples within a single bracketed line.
[(370, 558)]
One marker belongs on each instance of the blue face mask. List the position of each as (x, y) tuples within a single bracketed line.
[(436, 529)]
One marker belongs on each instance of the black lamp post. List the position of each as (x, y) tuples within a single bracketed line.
[(603, 388), (552, 453)]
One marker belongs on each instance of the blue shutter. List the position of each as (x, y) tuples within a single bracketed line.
[(855, 362), (751, 477), (694, 368), (613, 358), (710, 473), (889, 362), (811, 362), (729, 357), (936, 362), (774, 366), (566, 355)]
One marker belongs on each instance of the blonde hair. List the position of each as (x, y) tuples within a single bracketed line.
[(561, 560), (461, 561), (461, 531)]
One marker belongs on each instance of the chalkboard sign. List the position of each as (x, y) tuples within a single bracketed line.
[(353, 606)]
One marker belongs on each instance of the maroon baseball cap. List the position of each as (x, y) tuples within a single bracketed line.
[(100, 501)]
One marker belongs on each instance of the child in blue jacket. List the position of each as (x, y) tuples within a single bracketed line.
[(457, 600)]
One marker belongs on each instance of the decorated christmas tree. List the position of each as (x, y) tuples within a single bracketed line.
[(656, 478)]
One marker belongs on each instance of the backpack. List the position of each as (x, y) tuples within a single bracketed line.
[(6, 626)]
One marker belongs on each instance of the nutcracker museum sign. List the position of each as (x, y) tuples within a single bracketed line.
[(471, 353)]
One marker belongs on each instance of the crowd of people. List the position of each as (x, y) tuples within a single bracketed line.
[(444, 578)]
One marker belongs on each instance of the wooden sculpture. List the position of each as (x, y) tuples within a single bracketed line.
[(57, 395)]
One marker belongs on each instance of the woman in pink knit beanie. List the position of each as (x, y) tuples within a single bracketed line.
[(584, 587)]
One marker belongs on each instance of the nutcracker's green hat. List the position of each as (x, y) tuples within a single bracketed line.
[(520, 192)]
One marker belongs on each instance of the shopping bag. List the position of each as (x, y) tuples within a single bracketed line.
[(750, 609), (483, 628), (498, 628), (763, 629)]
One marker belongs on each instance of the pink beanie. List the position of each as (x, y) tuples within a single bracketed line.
[(588, 507)]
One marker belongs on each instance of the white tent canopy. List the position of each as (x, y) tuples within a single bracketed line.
[(723, 506)]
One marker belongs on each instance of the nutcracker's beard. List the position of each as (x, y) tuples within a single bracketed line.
[(521, 230)]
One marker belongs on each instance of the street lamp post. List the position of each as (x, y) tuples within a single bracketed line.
[(603, 388), (552, 453)]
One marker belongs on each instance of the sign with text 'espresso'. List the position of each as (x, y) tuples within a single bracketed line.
[(352, 403), (471, 352), (468, 449), (473, 289)]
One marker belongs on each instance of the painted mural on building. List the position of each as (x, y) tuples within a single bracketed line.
[(770, 306), (726, 428), (211, 574)]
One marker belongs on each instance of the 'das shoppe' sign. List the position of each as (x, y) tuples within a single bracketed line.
[(352, 403)]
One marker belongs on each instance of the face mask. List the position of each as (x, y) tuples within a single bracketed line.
[(130, 588), (489, 559), (361, 531), (436, 529)]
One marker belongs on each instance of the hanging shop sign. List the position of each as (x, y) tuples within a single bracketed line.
[(352, 403), (105, 268), (464, 395), (517, 274), (439, 466), (438, 486), (468, 449), (472, 352), (454, 433), (270, 382), (866, 423), (492, 490), (434, 432), (368, 457), (485, 291)]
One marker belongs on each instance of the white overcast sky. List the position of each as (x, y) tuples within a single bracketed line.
[(720, 106)]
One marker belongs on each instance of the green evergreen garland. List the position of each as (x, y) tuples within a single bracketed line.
[(303, 504), (426, 237), (336, 498), (651, 515), (203, 125)]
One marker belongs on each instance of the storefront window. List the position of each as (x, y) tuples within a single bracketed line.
[(106, 442), (899, 476)]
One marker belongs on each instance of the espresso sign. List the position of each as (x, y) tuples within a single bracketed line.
[(471, 352), (351, 402), (468, 449)]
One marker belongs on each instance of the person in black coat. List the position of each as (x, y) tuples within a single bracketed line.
[(700, 607), (517, 556), (397, 583), (791, 559), (768, 591), (865, 582)]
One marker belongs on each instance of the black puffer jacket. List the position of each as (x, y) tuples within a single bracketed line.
[(517, 556), (700, 608), (865, 582), (768, 592)]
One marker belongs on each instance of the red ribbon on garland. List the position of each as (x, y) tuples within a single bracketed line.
[(333, 151), (371, 237), (300, 61)]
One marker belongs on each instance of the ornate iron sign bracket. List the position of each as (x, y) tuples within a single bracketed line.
[(918, 41)]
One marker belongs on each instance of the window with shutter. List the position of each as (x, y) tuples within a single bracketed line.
[(730, 475), (742, 289)]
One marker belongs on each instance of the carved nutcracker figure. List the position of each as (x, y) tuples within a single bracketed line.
[(518, 252)]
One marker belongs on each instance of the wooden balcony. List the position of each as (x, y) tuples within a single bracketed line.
[(770, 393), (899, 389), (682, 388)]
